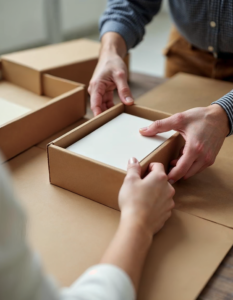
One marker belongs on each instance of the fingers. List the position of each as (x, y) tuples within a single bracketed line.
[(203, 161), (174, 122), (133, 169), (156, 173), (174, 161), (101, 96), (156, 167), (101, 99), (195, 168), (96, 104), (124, 92), (96, 92), (199, 161), (183, 164), (108, 99)]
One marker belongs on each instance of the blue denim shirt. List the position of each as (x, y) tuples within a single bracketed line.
[(206, 24)]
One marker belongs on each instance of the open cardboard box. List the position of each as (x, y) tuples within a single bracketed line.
[(74, 60), (96, 180), (62, 103)]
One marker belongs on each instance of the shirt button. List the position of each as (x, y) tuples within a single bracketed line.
[(212, 24), (211, 49)]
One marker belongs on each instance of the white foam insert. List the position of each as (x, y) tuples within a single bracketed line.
[(118, 140)]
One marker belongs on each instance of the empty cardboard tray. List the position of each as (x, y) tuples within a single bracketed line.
[(62, 103)]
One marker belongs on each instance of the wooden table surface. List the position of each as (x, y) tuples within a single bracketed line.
[(220, 285)]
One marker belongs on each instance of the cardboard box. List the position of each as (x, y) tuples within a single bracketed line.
[(62, 103), (208, 194), (73, 60), (44, 143), (71, 233), (93, 179)]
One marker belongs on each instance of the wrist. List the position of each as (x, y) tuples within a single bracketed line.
[(137, 228), (113, 44), (220, 115)]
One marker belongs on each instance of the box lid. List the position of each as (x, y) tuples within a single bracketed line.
[(48, 57)]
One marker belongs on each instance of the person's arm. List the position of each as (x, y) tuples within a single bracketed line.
[(128, 18), (145, 205), (226, 102), (204, 130), (122, 27)]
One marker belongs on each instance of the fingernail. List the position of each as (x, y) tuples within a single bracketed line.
[(133, 161), (171, 181), (129, 100), (144, 129)]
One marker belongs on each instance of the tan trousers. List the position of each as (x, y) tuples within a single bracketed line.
[(183, 57)]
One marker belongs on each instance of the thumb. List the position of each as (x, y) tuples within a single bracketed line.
[(123, 88), (174, 122), (133, 168)]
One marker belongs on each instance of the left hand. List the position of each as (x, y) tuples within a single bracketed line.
[(204, 130)]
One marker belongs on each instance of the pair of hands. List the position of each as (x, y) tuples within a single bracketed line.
[(204, 133), (146, 203), (204, 130)]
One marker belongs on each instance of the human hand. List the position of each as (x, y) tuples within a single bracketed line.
[(146, 202), (110, 74), (204, 130)]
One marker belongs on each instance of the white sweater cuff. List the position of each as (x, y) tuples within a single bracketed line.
[(102, 282)]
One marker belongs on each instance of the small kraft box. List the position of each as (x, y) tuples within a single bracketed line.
[(74, 60), (27, 118), (96, 180)]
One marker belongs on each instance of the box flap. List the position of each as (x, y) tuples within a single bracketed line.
[(184, 91)]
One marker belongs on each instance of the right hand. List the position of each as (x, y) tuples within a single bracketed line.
[(146, 202), (110, 74)]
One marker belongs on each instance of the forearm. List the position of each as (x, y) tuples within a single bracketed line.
[(129, 249), (113, 43), (128, 19)]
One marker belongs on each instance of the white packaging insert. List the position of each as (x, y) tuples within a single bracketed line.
[(10, 111), (117, 141)]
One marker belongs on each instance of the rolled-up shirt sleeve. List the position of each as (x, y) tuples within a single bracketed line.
[(226, 102), (128, 18)]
